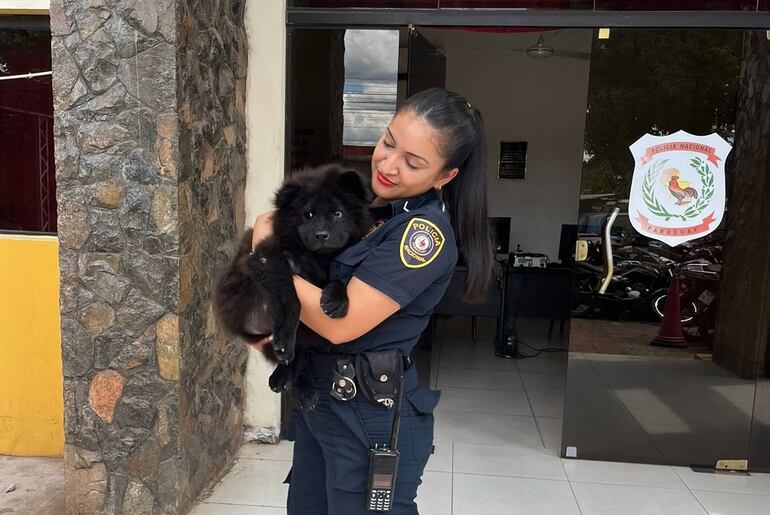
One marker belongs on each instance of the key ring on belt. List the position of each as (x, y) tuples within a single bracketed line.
[(343, 381)]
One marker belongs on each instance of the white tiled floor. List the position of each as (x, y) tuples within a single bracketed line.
[(497, 435)]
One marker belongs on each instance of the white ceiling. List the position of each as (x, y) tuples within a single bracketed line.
[(455, 40)]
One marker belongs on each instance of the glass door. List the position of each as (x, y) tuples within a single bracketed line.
[(670, 306)]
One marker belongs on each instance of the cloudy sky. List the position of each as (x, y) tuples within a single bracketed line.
[(371, 54), (371, 67)]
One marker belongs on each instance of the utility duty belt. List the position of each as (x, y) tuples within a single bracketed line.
[(378, 375)]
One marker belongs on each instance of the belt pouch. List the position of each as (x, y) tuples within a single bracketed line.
[(379, 375)]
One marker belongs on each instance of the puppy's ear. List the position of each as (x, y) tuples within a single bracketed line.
[(286, 195), (354, 183)]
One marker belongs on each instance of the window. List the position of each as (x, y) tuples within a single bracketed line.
[(27, 178)]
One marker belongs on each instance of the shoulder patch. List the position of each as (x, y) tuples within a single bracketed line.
[(421, 243)]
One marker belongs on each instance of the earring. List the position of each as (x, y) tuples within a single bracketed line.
[(439, 188)]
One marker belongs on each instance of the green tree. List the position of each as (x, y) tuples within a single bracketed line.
[(657, 82)]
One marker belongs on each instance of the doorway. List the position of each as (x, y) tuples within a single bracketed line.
[(530, 85), (561, 108)]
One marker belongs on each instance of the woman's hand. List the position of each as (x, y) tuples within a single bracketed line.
[(263, 228)]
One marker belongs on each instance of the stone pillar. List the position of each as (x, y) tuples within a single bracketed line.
[(150, 169)]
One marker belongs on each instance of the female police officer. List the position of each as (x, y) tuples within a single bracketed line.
[(432, 149)]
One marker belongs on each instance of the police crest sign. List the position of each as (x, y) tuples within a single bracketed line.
[(678, 187)]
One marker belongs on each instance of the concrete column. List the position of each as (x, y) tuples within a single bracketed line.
[(266, 114)]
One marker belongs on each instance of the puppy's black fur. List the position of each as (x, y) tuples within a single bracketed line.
[(319, 212)]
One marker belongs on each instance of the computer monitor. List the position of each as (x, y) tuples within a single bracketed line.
[(500, 230)]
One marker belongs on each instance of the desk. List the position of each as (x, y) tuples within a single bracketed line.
[(519, 292), (452, 302)]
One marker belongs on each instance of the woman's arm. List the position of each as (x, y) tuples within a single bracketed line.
[(367, 308)]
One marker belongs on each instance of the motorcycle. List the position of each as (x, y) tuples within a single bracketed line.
[(616, 275), (636, 286)]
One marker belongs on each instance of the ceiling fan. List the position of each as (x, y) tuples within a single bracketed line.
[(542, 51)]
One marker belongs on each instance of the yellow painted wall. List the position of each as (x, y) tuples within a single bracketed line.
[(31, 382)]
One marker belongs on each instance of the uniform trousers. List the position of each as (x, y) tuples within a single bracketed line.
[(330, 468)]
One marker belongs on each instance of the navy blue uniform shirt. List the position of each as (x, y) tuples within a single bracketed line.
[(410, 256)]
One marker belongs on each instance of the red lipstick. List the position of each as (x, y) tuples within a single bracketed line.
[(384, 180)]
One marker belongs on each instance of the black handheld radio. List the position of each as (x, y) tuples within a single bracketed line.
[(383, 465)]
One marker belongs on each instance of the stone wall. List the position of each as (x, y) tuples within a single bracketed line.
[(211, 85), (150, 170)]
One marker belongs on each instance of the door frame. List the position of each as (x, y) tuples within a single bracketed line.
[(373, 18)]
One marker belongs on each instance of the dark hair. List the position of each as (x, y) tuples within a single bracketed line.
[(462, 144)]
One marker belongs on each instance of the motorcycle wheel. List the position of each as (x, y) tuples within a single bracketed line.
[(583, 298), (688, 311)]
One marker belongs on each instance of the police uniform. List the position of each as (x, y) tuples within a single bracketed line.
[(410, 256)]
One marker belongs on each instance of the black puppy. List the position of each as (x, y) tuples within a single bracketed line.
[(319, 212)]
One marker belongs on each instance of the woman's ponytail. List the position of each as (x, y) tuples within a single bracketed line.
[(464, 146)]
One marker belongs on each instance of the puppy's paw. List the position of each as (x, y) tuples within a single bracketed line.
[(284, 351), (280, 379), (334, 300), (307, 397)]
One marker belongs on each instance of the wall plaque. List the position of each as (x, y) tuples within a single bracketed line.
[(513, 160)]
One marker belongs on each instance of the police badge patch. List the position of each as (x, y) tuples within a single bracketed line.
[(421, 243)]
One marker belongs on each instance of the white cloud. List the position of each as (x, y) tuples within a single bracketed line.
[(371, 54)]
